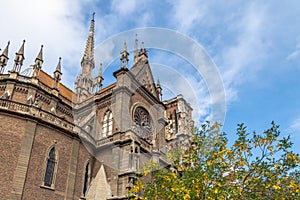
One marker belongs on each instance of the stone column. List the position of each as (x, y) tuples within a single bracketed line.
[(72, 170), (23, 161)]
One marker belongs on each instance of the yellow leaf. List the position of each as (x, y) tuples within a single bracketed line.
[(270, 148), (276, 187), (186, 197), (216, 191)]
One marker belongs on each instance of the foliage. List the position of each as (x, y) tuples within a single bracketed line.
[(256, 166)]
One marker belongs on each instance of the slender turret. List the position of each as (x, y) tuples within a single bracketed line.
[(19, 59), (124, 57), (4, 58)]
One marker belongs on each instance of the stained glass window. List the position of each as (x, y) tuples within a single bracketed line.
[(51, 164)]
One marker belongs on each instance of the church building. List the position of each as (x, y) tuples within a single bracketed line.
[(90, 142)]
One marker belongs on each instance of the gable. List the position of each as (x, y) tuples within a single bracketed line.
[(143, 74)]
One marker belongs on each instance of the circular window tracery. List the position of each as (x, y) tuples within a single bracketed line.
[(142, 122)]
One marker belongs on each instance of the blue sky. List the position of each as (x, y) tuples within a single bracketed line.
[(255, 46)]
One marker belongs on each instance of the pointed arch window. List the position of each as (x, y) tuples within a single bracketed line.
[(86, 179), (51, 166), (107, 124)]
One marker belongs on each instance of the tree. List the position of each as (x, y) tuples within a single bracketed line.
[(256, 166)]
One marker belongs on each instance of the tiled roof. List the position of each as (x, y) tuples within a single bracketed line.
[(49, 81)]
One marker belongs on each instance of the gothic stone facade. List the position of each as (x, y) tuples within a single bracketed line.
[(86, 144)]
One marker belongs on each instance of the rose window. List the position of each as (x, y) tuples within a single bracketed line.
[(142, 122)]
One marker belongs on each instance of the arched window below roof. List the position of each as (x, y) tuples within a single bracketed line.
[(107, 124), (51, 167)]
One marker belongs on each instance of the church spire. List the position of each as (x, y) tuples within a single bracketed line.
[(84, 82), (19, 58), (136, 51), (4, 58), (89, 47), (124, 57), (39, 59)]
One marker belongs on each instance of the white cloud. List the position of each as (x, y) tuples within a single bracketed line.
[(104, 53), (57, 24), (125, 7), (238, 57), (248, 49), (293, 55), (293, 130), (185, 14), (294, 126), (178, 82)]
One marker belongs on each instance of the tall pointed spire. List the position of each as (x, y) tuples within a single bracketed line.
[(39, 59), (136, 51), (89, 48), (4, 58), (19, 58), (84, 82), (124, 57)]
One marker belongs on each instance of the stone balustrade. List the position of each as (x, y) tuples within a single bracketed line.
[(37, 112)]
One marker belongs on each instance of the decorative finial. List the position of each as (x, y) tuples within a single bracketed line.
[(19, 59), (57, 74), (158, 83), (100, 70), (4, 58), (58, 67), (5, 51), (99, 80), (143, 52), (136, 51), (124, 46), (21, 50), (159, 90), (124, 56), (39, 59)]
